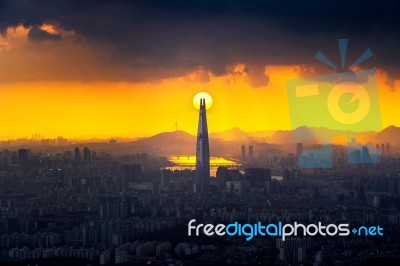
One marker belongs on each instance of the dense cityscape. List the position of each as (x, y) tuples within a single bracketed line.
[(96, 208), (199, 132)]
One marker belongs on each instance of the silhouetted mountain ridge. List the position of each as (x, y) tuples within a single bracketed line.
[(171, 137), (390, 134), (180, 142)]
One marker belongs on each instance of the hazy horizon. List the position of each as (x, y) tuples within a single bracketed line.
[(259, 134)]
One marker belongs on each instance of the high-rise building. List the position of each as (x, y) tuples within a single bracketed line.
[(299, 149), (165, 179), (23, 155), (301, 254), (86, 155), (243, 152), (202, 152), (77, 154), (257, 175), (286, 176), (365, 156), (250, 152), (132, 172)]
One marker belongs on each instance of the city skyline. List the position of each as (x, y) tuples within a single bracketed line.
[(231, 134), (199, 132)]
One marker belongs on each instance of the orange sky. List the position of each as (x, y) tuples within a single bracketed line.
[(105, 109), (85, 109)]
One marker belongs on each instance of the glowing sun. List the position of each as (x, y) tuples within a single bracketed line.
[(202, 95)]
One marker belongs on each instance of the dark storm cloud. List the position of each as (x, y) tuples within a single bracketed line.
[(168, 38)]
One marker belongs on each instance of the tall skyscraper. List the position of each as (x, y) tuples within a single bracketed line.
[(251, 149), (86, 155), (202, 152), (77, 154), (299, 149), (243, 152)]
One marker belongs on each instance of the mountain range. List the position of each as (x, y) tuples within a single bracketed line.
[(390, 134), (226, 142)]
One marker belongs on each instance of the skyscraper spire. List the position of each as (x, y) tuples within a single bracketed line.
[(202, 152)]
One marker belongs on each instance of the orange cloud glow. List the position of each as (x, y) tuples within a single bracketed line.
[(85, 109)]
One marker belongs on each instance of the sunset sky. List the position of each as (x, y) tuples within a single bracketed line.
[(131, 69)]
